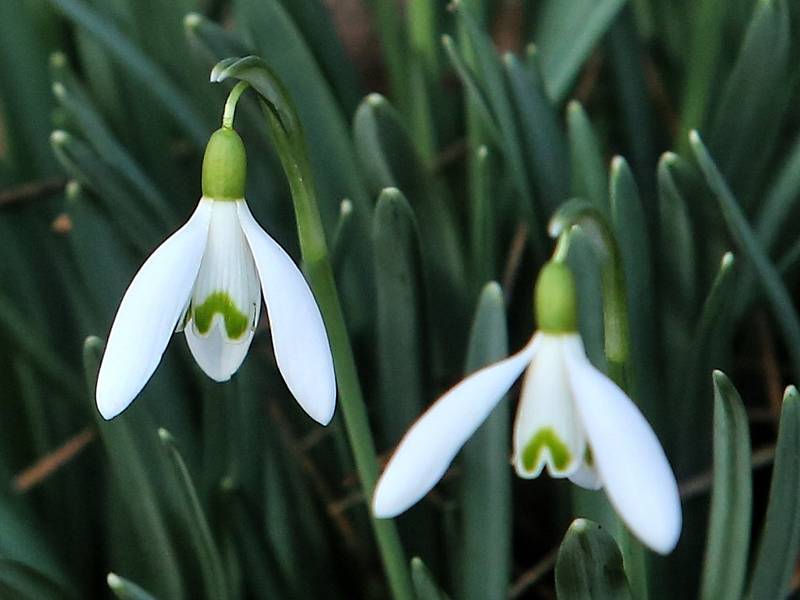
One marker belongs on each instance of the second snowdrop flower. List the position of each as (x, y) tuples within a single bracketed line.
[(572, 420), (207, 280)]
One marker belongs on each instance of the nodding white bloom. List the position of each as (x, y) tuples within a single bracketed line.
[(572, 420), (207, 280)]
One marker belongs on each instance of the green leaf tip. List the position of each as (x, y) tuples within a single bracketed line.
[(192, 21), (165, 437), (59, 137), (114, 581)]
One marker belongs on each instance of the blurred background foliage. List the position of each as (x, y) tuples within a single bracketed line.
[(442, 139)]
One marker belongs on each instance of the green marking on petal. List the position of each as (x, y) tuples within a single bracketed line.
[(546, 438), (236, 322), (588, 457)]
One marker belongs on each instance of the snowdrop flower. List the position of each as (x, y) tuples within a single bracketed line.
[(207, 280), (572, 420)]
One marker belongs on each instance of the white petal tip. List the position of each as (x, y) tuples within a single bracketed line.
[(324, 417), (662, 535), (108, 410), (386, 505)]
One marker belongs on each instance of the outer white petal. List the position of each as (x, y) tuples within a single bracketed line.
[(299, 338), (148, 313), (428, 448), (546, 412), (628, 457)]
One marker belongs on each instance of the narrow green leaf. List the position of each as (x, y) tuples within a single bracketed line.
[(566, 32), (780, 200), (545, 143), (491, 77), (262, 574), (482, 217), (708, 340), (631, 231), (707, 27), (270, 30), (677, 252), (126, 590), (748, 117), (780, 539), (31, 583), (725, 563), (589, 174), (485, 491), (135, 467), (741, 231), (80, 108), (424, 584), (120, 203), (314, 20), (23, 88), (589, 565), (626, 50), (211, 568), (150, 76), (470, 82), (400, 322)]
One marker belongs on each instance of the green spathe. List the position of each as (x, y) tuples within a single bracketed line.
[(224, 166), (546, 438), (219, 302), (555, 304)]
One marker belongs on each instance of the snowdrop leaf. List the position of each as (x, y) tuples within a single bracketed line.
[(140, 66), (400, 314), (725, 564), (748, 118), (211, 568), (740, 229), (485, 486), (424, 584), (566, 32), (589, 565), (124, 589), (780, 539), (589, 175)]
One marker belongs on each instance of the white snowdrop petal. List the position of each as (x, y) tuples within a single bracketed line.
[(586, 477), (428, 448), (546, 429), (148, 313), (299, 338), (226, 298), (628, 457), (219, 357)]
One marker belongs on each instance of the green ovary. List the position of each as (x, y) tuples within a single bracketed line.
[(546, 438), (219, 302)]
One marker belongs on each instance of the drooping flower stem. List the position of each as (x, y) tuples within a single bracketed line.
[(616, 336), (615, 303), (230, 103), (291, 146)]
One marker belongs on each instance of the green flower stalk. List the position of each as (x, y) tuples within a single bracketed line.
[(207, 280)]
